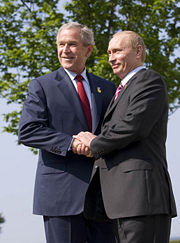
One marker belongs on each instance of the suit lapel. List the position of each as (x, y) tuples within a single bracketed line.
[(69, 92), (96, 98), (113, 103)]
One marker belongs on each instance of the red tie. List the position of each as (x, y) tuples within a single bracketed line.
[(118, 91), (84, 101)]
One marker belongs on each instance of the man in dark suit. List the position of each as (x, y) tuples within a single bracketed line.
[(130, 152), (51, 114)]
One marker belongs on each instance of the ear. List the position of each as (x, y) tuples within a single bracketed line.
[(89, 50), (139, 51)]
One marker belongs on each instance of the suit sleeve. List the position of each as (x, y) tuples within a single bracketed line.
[(34, 130), (147, 101)]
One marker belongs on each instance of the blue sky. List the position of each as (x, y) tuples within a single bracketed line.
[(17, 173)]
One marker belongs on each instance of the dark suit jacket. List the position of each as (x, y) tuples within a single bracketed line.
[(130, 150), (51, 114)]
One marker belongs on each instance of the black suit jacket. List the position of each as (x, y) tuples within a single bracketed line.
[(130, 150), (51, 114)]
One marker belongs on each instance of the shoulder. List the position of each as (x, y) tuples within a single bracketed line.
[(148, 76), (149, 73), (148, 81), (49, 78)]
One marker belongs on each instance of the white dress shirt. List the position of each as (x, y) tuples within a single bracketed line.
[(131, 74), (85, 82)]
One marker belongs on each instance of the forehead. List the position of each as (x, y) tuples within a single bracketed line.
[(70, 35), (119, 41)]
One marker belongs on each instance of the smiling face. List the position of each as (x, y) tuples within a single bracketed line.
[(72, 53), (123, 58)]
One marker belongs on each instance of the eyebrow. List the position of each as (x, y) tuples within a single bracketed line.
[(69, 42)]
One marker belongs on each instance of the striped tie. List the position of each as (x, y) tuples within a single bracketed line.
[(118, 91)]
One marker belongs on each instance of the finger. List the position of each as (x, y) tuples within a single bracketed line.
[(79, 148), (90, 155), (74, 149)]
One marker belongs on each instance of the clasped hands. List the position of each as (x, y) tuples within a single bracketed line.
[(81, 143)]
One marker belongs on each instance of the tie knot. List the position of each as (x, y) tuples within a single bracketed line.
[(79, 78)]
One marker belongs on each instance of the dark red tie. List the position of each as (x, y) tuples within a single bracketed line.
[(118, 91), (84, 101)]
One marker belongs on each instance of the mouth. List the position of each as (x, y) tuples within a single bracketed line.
[(114, 66), (68, 58)]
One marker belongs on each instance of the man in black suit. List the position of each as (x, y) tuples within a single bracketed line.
[(130, 152), (52, 113)]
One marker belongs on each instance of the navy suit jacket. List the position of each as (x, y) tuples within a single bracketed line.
[(51, 114)]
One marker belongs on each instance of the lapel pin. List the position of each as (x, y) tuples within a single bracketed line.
[(99, 90)]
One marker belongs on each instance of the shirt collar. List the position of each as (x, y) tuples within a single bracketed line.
[(131, 74), (73, 75)]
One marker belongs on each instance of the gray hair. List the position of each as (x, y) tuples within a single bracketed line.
[(135, 40), (87, 35)]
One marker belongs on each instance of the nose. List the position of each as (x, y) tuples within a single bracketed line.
[(111, 57), (66, 48)]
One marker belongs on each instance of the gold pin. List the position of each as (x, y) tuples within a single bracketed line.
[(99, 90)]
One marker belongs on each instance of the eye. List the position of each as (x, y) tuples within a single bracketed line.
[(61, 44), (114, 51), (117, 51), (73, 44)]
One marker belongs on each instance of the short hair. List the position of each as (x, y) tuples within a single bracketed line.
[(135, 40), (87, 34)]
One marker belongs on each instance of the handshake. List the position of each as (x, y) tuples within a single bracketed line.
[(81, 143)]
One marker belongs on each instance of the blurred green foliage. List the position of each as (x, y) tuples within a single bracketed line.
[(28, 41)]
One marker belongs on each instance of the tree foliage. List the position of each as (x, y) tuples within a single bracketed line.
[(28, 48), (155, 20), (28, 41)]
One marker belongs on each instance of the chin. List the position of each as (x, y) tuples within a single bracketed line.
[(115, 71), (67, 66), (118, 74)]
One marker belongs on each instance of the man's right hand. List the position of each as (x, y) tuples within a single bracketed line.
[(79, 148)]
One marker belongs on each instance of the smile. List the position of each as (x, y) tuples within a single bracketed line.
[(115, 66), (68, 58)]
